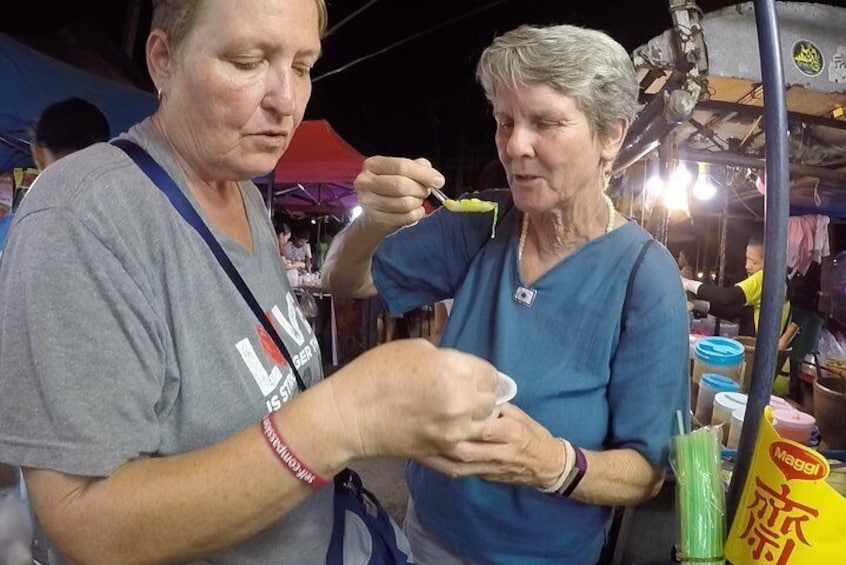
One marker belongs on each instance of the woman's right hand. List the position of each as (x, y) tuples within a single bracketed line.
[(391, 190), (410, 399)]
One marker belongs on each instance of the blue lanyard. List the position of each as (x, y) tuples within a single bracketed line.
[(166, 184)]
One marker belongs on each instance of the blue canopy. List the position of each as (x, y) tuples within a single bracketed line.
[(32, 81)]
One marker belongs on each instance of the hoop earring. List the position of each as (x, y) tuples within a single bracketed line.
[(159, 95)]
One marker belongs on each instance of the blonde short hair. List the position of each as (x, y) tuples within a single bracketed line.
[(176, 18)]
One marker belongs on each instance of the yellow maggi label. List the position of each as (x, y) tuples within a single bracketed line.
[(788, 514)]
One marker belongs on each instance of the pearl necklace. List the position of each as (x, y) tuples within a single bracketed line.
[(524, 230)]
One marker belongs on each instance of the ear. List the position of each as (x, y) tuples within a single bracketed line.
[(43, 156), (38, 156), (159, 59), (616, 135)]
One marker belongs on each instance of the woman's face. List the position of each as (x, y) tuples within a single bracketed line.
[(238, 86), (283, 238), (547, 147)]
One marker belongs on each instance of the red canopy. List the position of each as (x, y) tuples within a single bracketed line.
[(318, 155)]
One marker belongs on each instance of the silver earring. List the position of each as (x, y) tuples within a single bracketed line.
[(159, 95)]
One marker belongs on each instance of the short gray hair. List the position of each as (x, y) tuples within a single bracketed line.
[(582, 63), (177, 18)]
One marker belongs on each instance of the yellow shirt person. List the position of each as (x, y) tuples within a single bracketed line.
[(751, 287), (729, 302)]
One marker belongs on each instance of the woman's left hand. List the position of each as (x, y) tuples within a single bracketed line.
[(515, 449)]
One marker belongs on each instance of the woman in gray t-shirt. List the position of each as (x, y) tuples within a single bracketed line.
[(154, 417)]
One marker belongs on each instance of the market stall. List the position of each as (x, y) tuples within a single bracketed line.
[(699, 155), (312, 184)]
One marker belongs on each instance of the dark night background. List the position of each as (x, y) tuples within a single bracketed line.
[(418, 98), (414, 94)]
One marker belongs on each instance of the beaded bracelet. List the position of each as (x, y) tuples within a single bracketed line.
[(293, 463)]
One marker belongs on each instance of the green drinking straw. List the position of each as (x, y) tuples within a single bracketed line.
[(700, 495)]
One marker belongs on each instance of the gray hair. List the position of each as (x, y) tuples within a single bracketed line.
[(177, 18), (582, 63)]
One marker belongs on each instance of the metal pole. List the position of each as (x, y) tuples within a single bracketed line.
[(775, 252), (721, 272), (721, 269), (666, 159)]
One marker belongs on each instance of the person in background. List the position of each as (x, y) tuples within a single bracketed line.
[(66, 127), (298, 249), (742, 300), (154, 419), (601, 363), (322, 249), (63, 128), (283, 235), (685, 268)]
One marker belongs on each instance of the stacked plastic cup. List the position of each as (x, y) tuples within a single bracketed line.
[(710, 385)]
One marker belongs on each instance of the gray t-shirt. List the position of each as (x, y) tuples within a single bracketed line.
[(121, 337)]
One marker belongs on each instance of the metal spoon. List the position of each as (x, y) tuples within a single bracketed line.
[(436, 192)]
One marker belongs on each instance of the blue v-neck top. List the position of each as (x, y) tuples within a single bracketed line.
[(579, 372)]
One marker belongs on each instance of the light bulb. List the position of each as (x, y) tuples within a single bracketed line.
[(675, 195), (704, 189)]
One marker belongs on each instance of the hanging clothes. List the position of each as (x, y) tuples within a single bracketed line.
[(807, 241)]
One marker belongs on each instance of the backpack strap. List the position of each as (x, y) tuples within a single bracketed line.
[(630, 282)]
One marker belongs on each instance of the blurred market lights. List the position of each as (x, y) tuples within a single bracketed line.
[(675, 194), (655, 185)]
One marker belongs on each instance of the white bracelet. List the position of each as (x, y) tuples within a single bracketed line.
[(566, 471)]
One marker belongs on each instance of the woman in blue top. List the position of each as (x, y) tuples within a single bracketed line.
[(568, 298)]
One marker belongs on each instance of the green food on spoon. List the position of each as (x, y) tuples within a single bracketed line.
[(474, 205)]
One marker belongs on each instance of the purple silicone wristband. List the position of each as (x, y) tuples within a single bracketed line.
[(581, 466)]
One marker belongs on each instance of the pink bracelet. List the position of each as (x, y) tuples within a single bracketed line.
[(288, 458)]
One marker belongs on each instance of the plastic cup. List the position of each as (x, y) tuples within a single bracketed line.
[(718, 355), (725, 403), (778, 403), (794, 425), (506, 388), (736, 427), (710, 385)]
